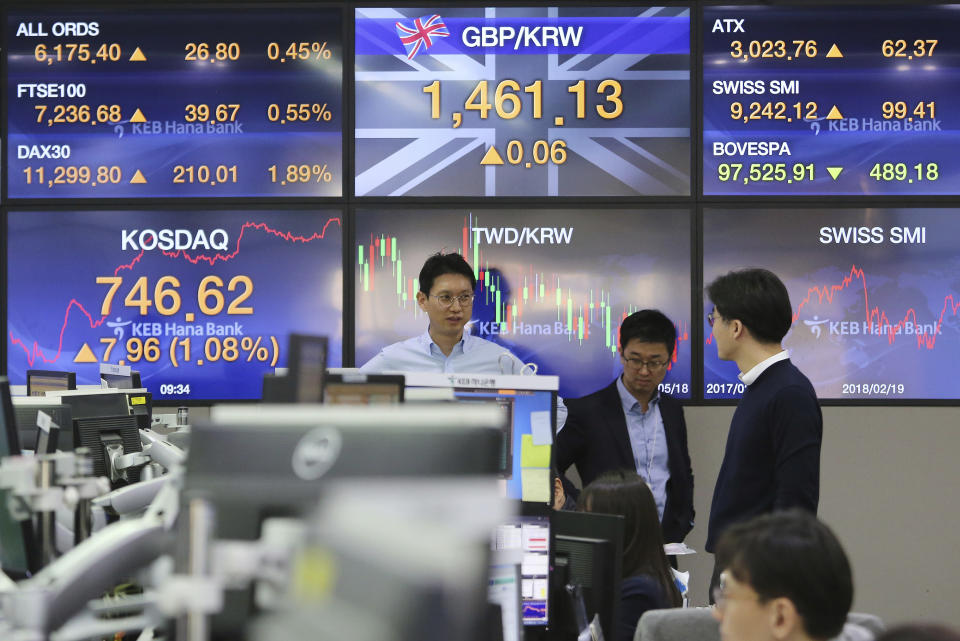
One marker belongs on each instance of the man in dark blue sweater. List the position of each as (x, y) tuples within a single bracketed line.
[(772, 458)]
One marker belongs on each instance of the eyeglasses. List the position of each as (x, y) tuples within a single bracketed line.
[(446, 300), (652, 366), (712, 318)]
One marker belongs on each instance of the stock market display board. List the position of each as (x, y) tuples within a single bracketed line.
[(174, 103), (513, 101), (875, 296), (554, 291), (185, 186), (201, 303), (830, 100)]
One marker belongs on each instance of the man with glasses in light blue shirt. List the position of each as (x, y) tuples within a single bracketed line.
[(447, 285), (631, 425)]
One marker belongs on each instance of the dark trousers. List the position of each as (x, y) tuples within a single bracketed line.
[(714, 580)]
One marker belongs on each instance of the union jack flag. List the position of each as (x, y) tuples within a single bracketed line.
[(421, 32)]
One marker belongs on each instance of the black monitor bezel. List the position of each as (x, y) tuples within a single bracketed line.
[(594, 527), (12, 436)]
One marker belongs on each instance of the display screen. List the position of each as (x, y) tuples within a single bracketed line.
[(588, 161), (875, 295), (529, 535), (514, 101), (553, 285), (830, 100), (201, 303), (525, 463), (214, 102)]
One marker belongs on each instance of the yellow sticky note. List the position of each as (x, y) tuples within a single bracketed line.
[(535, 484), (533, 455)]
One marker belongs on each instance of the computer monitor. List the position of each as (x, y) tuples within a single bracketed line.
[(140, 404), (102, 419), (276, 389), (26, 409), (506, 403), (101, 434), (526, 448), (99, 401), (93, 403), (363, 389), (527, 440), (307, 365), (588, 552), (19, 554), (121, 381), (529, 534), (277, 456), (255, 462), (40, 381)]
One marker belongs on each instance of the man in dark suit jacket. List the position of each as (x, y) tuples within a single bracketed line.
[(630, 424), (772, 458)]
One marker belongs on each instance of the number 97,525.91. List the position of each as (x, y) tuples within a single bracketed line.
[(765, 172)]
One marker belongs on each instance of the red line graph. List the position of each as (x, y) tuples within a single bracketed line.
[(34, 352), (875, 316), (878, 316), (287, 236)]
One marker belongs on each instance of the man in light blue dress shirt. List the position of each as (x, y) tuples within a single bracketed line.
[(447, 283)]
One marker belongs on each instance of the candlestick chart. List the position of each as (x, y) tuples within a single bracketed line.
[(552, 285)]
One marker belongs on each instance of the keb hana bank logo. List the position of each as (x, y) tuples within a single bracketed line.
[(418, 36)]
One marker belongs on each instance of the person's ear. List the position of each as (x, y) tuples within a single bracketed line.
[(558, 495), (422, 300), (784, 619), (736, 328)]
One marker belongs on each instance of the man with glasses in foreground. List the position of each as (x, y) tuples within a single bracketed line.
[(772, 457), (446, 290), (785, 578), (629, 424)]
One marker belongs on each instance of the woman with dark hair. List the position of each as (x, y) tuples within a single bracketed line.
[(648, 582)]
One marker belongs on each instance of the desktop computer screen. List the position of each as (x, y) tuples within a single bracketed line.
[(505, 402), (526, 451), (529, 534), (41, 381), (588, 553), (526, 459)]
